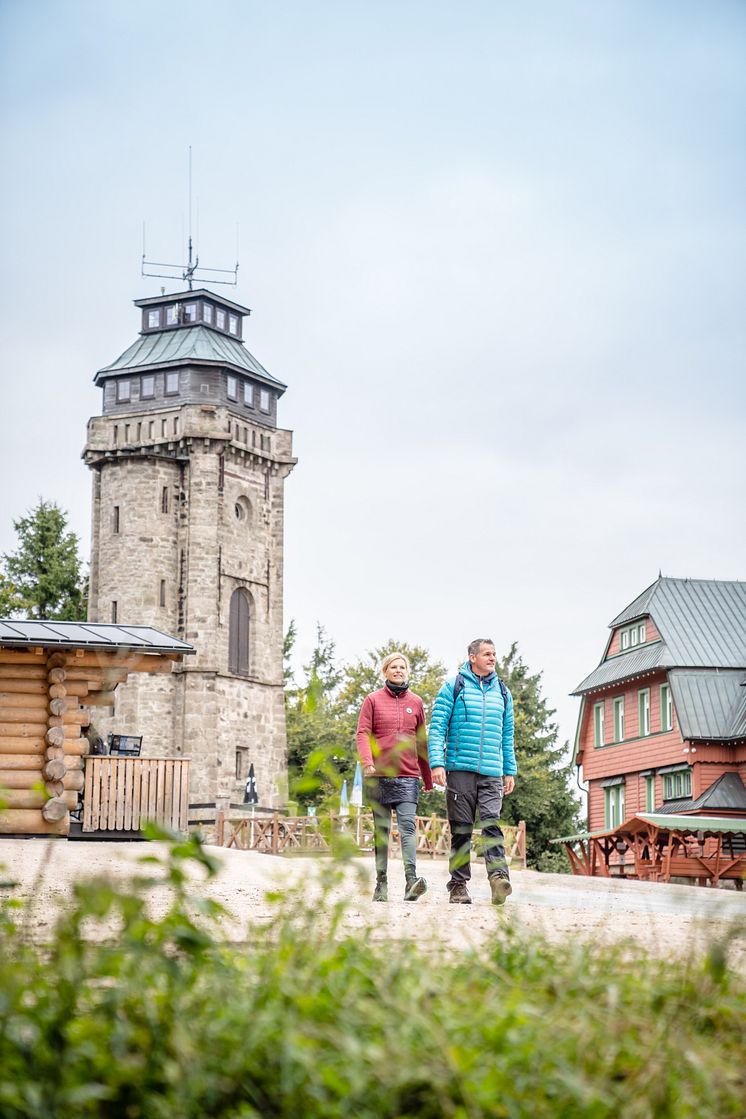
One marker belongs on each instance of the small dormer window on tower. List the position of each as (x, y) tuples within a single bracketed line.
[(190, 312), (172, 315), (220, 319), (154, 318), (233, 324), (207, 312)]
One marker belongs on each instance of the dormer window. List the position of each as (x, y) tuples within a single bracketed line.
[(172, 384), (220, 319), (190, 312), (154, 318), (233, 324), (123, 390), (172, 315), (147, 386), (248, 394), (264, 400), (632, 636), (232, 387), (207, 312)]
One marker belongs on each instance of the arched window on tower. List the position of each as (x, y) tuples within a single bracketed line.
[(238, 632)]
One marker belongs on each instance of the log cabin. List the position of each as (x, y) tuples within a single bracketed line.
[(662, 722), (51, 674)]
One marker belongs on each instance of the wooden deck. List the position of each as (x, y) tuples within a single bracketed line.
[(282, 835), (123, 794)]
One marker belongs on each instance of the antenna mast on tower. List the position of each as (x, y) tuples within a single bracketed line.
[(187, 271)]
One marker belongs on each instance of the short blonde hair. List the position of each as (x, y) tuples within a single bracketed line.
[(393, 657)]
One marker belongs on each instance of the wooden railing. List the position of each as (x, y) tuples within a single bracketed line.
[(122, 794), (278, 835)]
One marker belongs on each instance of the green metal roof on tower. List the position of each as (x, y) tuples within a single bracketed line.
[(197, 344)]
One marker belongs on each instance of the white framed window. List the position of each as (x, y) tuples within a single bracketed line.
[(650, 793), (619, 719), (263, 400), (147, 386), (598, 724), (154, 317), (632, 636), (643, 711), (123, 389), (172, 384), (677, 784), (666, 708), (614, 806), (232, 387), (233, 324), (190, 312), (248, 394), (220, 319), (172, 314), (207, 312)]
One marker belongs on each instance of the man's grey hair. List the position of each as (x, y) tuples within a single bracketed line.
[(475, 646)]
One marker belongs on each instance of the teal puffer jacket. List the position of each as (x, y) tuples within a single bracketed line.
[(475, 734)]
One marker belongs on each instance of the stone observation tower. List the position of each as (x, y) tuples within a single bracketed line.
[(188, 470)]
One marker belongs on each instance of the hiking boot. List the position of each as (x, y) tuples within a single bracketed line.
[(415, 888), (381, 892), (500, 888), (459, 894)]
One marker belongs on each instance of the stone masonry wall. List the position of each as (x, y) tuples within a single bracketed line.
[(177, 570)]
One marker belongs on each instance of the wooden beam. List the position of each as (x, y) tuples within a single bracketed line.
[(29, 821), (21, 761), (29, 798), (22, 730), (22, 671)]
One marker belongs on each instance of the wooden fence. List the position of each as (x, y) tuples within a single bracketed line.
[(278, 835), (122, 794)]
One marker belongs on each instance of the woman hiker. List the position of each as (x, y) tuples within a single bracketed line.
[(392, 744)]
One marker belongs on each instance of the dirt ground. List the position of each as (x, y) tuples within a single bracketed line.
[(663, 920)]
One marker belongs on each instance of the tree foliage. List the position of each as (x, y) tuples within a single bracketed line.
[(42, 578), (542, 795)]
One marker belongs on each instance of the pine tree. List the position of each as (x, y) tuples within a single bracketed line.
[(542, 795), (42, 578)]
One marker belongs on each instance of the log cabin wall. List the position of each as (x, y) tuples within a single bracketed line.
[(45, 694), (41, 747)]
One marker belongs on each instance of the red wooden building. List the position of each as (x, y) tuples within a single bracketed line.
[(662, 724)]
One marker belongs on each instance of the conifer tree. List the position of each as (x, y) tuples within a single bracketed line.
[(42, 578)]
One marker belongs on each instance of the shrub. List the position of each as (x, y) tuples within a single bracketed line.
[(164, 1020)]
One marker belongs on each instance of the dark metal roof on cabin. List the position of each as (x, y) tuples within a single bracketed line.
[(638, 608), (88, 635), (642, 659), (184, 344), (708, 702), (727, 794)]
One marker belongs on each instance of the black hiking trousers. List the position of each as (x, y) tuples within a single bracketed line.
[(472, 799)]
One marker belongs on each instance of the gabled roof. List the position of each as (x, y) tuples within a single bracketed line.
[(727, 794), (88, 635), (196, 344), (702, 625), (642, 659), (709, 703), (702, 621)]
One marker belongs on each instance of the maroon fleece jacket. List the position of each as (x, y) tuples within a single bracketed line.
[(394, 727)]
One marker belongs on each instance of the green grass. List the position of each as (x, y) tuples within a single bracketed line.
[(164, 1020)]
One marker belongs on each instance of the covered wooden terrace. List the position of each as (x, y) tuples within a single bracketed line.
[(707, 849)]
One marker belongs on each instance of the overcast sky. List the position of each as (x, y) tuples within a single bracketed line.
[(495, 250)]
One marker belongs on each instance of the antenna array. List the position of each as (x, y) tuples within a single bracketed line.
[(188, 271)]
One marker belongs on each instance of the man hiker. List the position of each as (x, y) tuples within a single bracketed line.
[(471, 752)]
